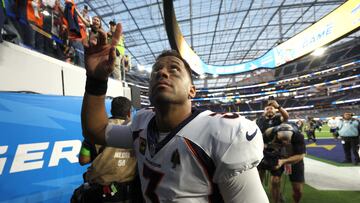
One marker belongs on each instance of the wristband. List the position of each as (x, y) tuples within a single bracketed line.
[(85, 152), (95, 86)]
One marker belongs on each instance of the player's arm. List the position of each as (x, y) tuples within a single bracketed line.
[(299, 151), (291, 160), (284, 114), (94, 118), (245, 187), (236, 173), (99, 64)]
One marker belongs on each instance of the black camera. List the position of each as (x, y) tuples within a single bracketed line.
[(270, 160)]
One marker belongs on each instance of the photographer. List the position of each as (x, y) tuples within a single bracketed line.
[(270, 118), (267, 120), (285, 153), (310, 127)]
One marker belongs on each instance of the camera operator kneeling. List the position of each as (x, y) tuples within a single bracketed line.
[(285, 153)]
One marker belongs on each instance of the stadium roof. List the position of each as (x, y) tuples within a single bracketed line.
[(221, 32)]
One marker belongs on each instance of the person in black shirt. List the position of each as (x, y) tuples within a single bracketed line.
[(267, 120), (288, 143), (310, 127), (270, 118)]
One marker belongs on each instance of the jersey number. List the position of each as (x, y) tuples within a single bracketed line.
[(154, 178)]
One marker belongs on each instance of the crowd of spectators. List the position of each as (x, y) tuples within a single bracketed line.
[(54, 28), (325, 113)]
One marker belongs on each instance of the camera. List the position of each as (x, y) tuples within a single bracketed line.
[(270, 160)]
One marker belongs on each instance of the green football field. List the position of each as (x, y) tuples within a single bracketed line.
[(312, 195), (324, 133)]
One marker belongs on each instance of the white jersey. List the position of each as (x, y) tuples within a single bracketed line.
[(203, 150), (333, 123)]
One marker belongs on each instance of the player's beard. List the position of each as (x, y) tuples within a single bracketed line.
[(164, 98), (270, 114)]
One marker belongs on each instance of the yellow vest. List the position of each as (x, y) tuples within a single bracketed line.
[(120, 46)]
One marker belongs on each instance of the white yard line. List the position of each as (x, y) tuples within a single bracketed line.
[(323, 176)]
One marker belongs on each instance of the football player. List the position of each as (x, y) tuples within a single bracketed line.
[(184, 155)]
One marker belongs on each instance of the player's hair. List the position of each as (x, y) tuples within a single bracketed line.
[(120, 107), (177, 55)]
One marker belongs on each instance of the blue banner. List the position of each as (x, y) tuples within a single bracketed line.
[(40, 141)]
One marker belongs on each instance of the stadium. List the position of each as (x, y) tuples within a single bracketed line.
[(304, 54)]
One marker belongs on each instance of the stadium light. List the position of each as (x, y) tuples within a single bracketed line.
[(148, 68), (140, 67), (319, 51)]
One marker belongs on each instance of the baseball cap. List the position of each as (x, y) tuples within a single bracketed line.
[(112, 22)]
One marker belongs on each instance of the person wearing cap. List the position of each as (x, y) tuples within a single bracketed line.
[(85, 14), (120, 51), (289, 146)]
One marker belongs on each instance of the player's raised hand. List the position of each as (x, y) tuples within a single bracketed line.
[(273, 103), (100, 56)]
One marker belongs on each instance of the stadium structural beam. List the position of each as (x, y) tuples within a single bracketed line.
[(244, 10), (313, 4), (132, 17), (216, 26), (231, 29), (132, 9), (239, 29), (263, 29), (191, 26)]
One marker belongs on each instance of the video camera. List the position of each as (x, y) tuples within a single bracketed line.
[(273, 152), (271, 158)]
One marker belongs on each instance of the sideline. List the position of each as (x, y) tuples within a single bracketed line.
[(324, 176)]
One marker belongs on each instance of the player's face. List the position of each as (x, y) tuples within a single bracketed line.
[(170, 82), (269, 111), (347, 116)]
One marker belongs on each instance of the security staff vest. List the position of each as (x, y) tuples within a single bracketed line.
[(112, 164)]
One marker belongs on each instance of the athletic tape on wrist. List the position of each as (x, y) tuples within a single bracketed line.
[(95, 86)]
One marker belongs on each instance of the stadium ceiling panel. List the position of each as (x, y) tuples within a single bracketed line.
[(221, 32)]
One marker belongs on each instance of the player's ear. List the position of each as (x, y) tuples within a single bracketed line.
[(192, 91)]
